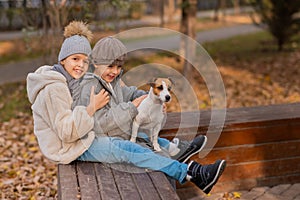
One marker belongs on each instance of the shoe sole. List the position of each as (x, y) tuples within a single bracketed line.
[(220, 170), (203, 145)]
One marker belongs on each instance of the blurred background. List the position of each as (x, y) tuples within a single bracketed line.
[(255, 45)]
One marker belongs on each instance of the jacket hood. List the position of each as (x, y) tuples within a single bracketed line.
[(39, 79)]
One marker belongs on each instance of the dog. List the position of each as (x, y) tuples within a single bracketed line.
[(150, 111)]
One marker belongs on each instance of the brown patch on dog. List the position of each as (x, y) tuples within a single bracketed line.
[(157, 84)]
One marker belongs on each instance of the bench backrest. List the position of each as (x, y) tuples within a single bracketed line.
[(261, 144)]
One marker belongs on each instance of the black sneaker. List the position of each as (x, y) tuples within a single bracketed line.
[(205, 176), (188, 149)]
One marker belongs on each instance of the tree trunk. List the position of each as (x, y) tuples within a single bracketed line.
[(45, 17), (236, 5), (216, 11), (188, 48), (170, 11), (162, 12)]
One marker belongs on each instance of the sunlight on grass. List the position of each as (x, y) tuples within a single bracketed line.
[(13, 100), (248, 47)]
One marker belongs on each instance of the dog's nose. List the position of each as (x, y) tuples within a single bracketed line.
[(168, 98)]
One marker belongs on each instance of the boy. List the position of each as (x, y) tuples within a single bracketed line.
[(115, 119)]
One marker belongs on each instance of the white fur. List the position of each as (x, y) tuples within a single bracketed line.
[(151, 116)]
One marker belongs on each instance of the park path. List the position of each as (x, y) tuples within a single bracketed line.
[(17, 71)]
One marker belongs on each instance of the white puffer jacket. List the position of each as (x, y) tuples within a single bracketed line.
[(63, 134)]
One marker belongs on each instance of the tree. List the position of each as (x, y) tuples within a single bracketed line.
[(117, 6), (54, 19), (187, 27), (280, 18)]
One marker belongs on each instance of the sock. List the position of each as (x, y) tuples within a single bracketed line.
[(188, 177), (192, 169), (173, 149)]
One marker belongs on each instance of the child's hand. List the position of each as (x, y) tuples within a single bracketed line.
[(97, 101), (102, 98), (138, 100)]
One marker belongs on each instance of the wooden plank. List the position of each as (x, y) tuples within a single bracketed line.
[(125, 185), (247, 133), (67, 182), (87, 181), (260, 169), (279, 131), (145, 186), (163, 186), (107, 186), (234, 116), (254, 152)]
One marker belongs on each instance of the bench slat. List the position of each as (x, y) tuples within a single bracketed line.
[(163, 186), (126, 185), (145, 186), (107, 186), (87, 181), (67, 182)]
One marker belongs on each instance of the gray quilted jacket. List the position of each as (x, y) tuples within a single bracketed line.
[(114, 119)]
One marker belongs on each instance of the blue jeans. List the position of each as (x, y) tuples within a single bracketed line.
[(164, 143), (115, 150)]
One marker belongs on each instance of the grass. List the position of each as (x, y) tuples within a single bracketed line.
[(248, 47), (13, 100)]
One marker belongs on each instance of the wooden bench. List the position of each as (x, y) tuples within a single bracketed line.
[(87, 180), (260, 144)]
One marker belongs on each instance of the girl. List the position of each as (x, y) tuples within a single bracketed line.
[(64, 134)]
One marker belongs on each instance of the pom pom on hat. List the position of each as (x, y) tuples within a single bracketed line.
[(78, 38)]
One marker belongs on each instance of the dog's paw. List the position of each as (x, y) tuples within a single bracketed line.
[(133, 140), (157, 148)]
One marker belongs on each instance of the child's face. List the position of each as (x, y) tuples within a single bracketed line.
[(76, 65), (111, 72)]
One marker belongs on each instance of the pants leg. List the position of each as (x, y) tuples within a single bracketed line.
[(161, 141), (115, 150)]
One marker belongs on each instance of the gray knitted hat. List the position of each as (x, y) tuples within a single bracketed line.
[(77, 40), (107, 51)]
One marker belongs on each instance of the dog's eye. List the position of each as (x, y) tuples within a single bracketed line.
[(169, 88), (160, 87)]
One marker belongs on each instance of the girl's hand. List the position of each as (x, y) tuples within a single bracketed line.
[(97, 101), (136, 102)]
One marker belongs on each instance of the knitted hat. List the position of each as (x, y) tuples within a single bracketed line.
[(108, 51), (78, 38)]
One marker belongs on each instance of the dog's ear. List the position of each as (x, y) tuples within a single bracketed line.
[(171, 80), (152, 82)]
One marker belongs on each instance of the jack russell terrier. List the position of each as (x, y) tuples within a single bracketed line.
[(150, 110)]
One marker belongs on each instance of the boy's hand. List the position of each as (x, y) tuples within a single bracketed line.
[(97, 101), (136, 102)]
